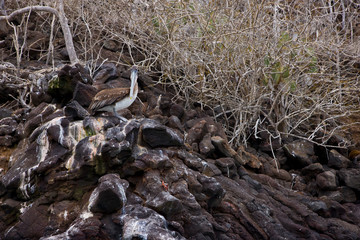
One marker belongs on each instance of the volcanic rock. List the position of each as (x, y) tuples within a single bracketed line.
[(326, 180), (337, 161), (301, 153), (109, 196), (223, 146), (351, 178), (205, 146), (75, 110), (177, 110), (157, 135), (83, 94), (174, 122), (144, 223)]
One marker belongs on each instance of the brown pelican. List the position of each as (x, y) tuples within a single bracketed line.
[(115, 99)]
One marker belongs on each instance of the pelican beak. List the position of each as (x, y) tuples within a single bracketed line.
[(133, 77)]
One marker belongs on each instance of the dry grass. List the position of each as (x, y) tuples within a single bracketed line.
[(287, 68)]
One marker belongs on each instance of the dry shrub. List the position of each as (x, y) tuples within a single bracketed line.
[(286, 68)]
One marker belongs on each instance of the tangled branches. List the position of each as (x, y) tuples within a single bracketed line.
[(279, 67)]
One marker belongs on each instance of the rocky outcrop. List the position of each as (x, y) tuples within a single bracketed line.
[(165, 173)]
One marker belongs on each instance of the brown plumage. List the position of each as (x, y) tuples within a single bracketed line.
[(108, 97)]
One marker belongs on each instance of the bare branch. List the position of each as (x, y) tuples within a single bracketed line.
[(29, 9), (62, 19), (2, 7), (67, 34)]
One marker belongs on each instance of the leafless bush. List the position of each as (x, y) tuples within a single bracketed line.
[(284, 67), (57, 11)]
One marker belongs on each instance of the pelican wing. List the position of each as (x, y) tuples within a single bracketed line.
[(107, 97)]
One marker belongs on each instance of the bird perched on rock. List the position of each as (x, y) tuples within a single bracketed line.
[(115, 99)]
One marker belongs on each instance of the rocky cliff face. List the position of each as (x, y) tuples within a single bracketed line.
[(166, 173)]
